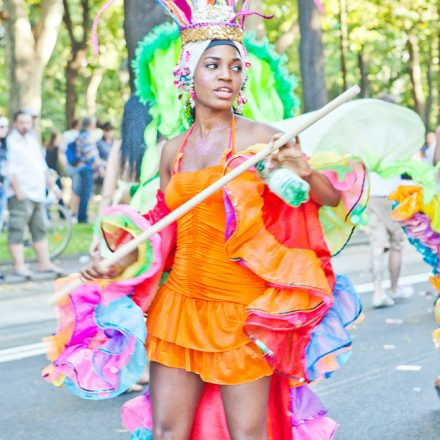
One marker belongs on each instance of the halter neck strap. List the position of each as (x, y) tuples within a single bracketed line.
[(229, 150)]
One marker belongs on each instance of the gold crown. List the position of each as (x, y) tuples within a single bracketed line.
[(209, 31)]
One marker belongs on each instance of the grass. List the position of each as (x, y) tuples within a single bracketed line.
[(79, 243)]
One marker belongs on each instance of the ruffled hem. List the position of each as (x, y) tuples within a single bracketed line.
[(330, 344), (198, 324), (418, 221), (241, 365), (350, 177), (100, 352), (319, 428)]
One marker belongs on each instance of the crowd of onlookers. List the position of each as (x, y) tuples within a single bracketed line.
[(82, 153), (29, 169)]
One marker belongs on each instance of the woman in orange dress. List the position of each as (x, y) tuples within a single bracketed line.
[(251, 277), (195, 323)]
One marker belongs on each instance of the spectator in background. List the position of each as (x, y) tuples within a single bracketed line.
[(68, 137), (52, 152), (29, 177), (106, 142), (386, 236), (4, 126), (52, 158), (428, 150), (89, 166)]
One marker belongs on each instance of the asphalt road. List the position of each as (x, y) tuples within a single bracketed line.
[(373, 397)]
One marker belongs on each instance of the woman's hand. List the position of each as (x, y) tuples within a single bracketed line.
[(95, 270), (290, 156)]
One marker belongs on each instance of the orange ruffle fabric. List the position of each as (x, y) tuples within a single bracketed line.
[(196, 320)]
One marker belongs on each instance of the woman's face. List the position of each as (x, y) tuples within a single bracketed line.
[(218, 77)]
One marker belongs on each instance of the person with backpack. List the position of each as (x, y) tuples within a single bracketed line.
[(83, 155)]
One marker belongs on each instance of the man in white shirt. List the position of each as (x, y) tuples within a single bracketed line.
[(385, 236), (28, 175)]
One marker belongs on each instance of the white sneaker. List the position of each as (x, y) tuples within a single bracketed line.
[(382, 301), (401, 292)]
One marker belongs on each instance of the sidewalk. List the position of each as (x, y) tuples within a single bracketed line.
[(70, 265)]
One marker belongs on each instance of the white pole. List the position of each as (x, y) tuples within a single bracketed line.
[(211, 189)]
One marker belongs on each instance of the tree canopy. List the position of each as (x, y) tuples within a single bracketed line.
[(393, 48)]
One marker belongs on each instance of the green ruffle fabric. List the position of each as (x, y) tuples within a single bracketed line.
[(420, 172)]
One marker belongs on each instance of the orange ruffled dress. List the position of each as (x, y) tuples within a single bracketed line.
[(196, 319)]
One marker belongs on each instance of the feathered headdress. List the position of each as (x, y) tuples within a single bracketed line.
[(200, 20)]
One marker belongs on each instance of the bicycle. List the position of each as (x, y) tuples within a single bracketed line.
[(59, 227)]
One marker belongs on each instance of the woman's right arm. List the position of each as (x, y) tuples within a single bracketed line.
[(93, 270), (166, 161)]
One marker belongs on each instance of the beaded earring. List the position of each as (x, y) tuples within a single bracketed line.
[(185, 84), (241, 98)]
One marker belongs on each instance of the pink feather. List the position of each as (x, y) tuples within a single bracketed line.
[(318, 4), (94, 36), (185, 8)]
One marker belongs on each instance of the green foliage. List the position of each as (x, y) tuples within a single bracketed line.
[(113, 90), (378, 29)]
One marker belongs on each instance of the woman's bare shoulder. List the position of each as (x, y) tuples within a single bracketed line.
[(170, 147), (250, 132)]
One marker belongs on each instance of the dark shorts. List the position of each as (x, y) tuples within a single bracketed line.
[(22, 213)]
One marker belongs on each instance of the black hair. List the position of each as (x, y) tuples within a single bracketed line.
[(51, 141), (19, 113), (107, 126), (215, 43), (134, 120), (86, 123)]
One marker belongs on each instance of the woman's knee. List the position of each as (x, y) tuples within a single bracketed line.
[(253, 430), (169, 430)]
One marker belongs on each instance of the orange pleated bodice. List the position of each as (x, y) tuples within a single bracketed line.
[(196, 320)]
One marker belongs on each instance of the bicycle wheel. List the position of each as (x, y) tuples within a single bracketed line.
[(58, 228)]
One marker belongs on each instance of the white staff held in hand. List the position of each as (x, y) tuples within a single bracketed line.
[(131, 246)]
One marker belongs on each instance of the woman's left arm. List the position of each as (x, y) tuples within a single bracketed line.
[(321, 190), (290, 156)]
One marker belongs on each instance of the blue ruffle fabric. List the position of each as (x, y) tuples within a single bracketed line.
[(330, 337), (117, 363), (141, 434)]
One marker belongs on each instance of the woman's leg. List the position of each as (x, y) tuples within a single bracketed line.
[(174, 395), (246, 409)]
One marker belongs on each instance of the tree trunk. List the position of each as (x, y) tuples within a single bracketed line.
[(311, 56), (363, 71), (73, 67), (140, 16), (29, 50), (343, 40), (429, 83), (415, 73), (71, 97), (78, 54), (92, 91)]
